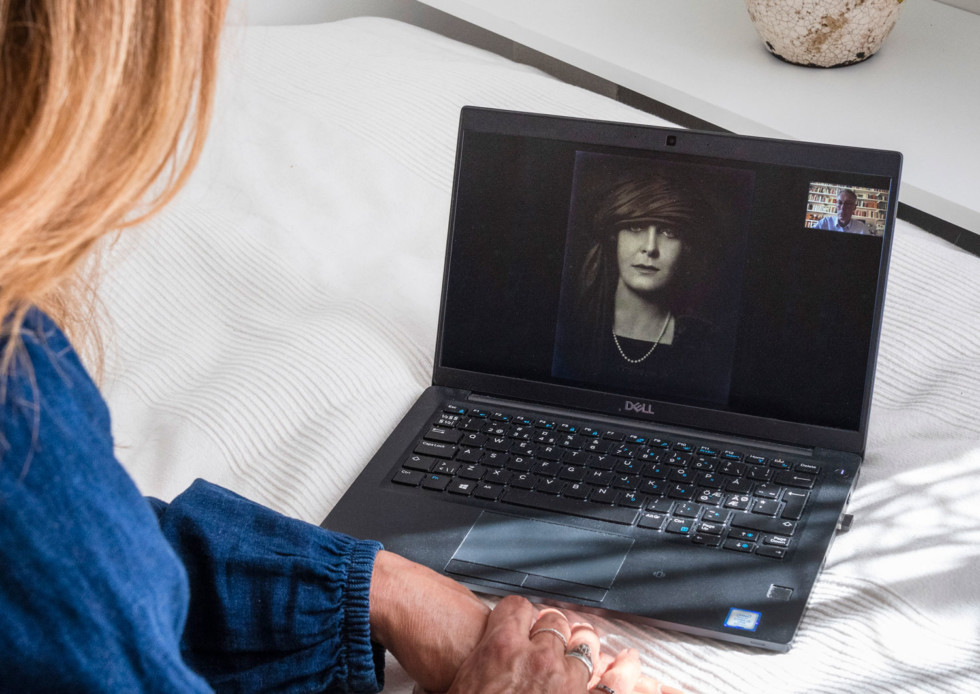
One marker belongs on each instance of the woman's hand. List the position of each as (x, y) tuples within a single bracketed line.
[(429, 622), (526, 650)]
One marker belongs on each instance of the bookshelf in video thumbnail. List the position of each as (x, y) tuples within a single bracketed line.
[(872, 204)]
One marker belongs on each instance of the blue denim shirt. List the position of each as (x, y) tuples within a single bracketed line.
[(102, 590)]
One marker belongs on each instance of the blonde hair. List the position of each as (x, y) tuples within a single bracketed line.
[(104, 107)]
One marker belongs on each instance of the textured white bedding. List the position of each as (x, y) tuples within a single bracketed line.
[(290, 295)]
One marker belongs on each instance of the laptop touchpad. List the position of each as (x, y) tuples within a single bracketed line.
[(541, 556)]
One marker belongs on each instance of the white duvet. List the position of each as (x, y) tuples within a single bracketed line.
[(274, 323)]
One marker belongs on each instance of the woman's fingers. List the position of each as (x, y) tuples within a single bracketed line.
[(552, 624)]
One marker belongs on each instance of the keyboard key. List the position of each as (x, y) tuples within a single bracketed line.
[(759, 473), (445, 467), (572, 507), (628, 467), (687, 510), (550, 453), (652, 487), (436, 449), (773, 552), (470, 439), (709, 480), (711, 528), (423, 463), (601, 462), (795, 479), (469, 455), (739, 485), (768, 491), (462, 487), (445, 435), (739, 545), (600, 478), (681, 491), (706, 540), (549, 485), (523, 448), (471, 471), (795, 501), (436, 482), (572, 473), (709, 497), (603, 495), (660, 505), (766, 507), (625, 481), (523, 480), (578, 490), (498, 476), (652, 521), (659, 472), (629, 499), (488, 490), (715, 515), (753, 521), (546, 468), (738, 502), (679, 526), (681, 475), (409, 477), (520, 463)]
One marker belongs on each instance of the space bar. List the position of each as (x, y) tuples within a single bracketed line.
[(569, 507)]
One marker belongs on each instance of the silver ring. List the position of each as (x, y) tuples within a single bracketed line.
[(549, 630), (583, 654), (603, 688)]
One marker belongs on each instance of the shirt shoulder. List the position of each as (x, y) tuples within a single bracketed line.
[(89, 585)]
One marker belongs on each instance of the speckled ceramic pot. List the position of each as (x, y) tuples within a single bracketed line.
[(824, 33)]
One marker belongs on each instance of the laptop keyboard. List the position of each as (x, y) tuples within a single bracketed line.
[(735, 500)]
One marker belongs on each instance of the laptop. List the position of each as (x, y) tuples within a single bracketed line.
[(653, 372)]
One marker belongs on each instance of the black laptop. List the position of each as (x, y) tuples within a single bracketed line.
[(652, 376)]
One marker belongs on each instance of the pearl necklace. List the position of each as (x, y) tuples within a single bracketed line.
[(663, 331)]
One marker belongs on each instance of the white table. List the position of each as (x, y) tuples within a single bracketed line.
[(919, 95)]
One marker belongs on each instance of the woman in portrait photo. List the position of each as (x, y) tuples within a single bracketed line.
[(635, 309)]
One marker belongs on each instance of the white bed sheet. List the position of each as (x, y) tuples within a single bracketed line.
[(289, 297)]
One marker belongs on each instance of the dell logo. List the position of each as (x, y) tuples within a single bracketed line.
[(645, 408)]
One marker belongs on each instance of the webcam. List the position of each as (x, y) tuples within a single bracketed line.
[(671, 140)]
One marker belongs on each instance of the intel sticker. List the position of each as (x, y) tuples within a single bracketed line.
[(746, 620)]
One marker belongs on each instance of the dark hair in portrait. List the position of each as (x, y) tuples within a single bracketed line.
[(652, 275)]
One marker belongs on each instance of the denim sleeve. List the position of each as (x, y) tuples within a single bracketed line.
[(276, 604)]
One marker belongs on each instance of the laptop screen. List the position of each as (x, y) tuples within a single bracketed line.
[(693, 278)]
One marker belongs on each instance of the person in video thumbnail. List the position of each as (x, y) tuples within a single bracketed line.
[(844, 220), (653, 237)]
